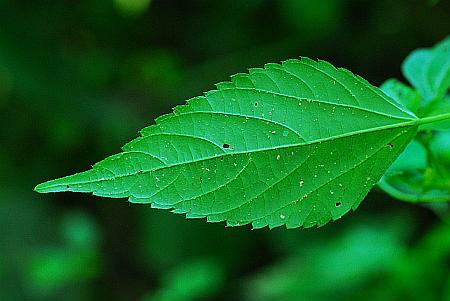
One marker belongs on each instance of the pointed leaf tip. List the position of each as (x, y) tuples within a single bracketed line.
[(49, 186), (40, 188)]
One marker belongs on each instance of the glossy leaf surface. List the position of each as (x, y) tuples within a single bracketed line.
[(296, 144)]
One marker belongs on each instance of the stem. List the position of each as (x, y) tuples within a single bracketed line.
[(435, 118), (413, 198)]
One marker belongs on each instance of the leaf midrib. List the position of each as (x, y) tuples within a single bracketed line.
[(410, 123)]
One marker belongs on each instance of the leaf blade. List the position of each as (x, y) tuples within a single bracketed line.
[(428, 70), (235, 153)]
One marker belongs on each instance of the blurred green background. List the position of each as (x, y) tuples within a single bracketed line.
[(78, 79)]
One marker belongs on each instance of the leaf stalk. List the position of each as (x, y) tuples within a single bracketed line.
[(433, 119)]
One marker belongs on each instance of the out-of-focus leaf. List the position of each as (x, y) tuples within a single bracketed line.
[(52, 269), (297, 144), (336, 270), (428, 70), (417, 175), (132, 8), (79, 231), (440, 149), (402, 94), (193, 280)]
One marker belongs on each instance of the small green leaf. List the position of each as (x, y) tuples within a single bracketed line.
[(428, 70), (421, 173), (402, 94), (440, 147), (132, 8), (296, 144), (193, 280)]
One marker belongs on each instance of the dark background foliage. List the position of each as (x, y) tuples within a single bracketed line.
[(78, 79)]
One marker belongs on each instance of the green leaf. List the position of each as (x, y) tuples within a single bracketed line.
[(193, 280), (428, 70), (440, 148), (402, 94), (421, 173), (296, 144), (132, 8), (345, 263)]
